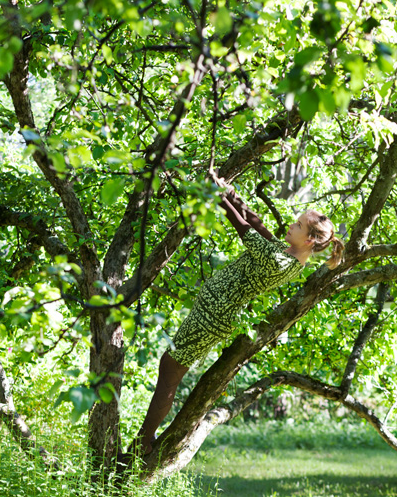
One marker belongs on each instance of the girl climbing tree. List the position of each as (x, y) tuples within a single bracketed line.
[(267, 263)]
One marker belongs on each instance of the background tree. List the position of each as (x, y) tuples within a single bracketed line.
[(109, 220)]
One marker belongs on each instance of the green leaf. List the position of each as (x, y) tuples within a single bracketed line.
[(217, 49), (129, 327), (105, 288), (97, 152), (342, 99), (307, 56), (55, 387), (239, 123), (156, 184), (357, 69), (73, 372), (327, 102), (107, 53), (79, 155), (222, 20), (72, 16), (385, 88), (139, 186), (116, 156), (308, 105), (112, 190), (369, 24), (202, 231), (63, 397), (140, 163), (6, 62), (15, 45), (105, 394), (58, 162), (83, 398), (98, 300)]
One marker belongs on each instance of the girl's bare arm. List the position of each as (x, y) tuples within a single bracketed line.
[(247, 214)]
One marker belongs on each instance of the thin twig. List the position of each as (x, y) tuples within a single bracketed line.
[(214, 121)]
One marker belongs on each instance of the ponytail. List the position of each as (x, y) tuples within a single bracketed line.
[(322, 231), (336, 254)]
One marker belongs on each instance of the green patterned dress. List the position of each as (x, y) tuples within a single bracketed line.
[(262, 267)]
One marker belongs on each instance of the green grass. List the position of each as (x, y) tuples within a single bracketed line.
[(21, 476), (266, 459), (304, 460)]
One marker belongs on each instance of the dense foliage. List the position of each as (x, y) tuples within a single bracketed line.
[(112, 115)]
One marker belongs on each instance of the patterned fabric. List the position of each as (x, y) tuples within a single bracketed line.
[(262, 267)]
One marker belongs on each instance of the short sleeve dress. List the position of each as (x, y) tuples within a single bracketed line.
[(262, 267)]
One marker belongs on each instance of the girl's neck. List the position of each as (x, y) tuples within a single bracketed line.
[(301, 254)]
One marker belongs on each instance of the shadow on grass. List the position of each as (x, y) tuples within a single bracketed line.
[(307, 486)]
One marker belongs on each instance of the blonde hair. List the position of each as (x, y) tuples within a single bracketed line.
[(322, 231)]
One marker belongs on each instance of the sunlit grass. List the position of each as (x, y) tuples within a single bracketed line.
[(267, 459), (342, 460), (21, 476)]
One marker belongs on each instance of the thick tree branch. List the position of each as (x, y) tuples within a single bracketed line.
[(183, 453), (154, 263), (41, 236), (119, 252), (321, 284), (368, 277), (36, 226), (362, 338), (376, 200), (316, 387), (380, 251), (16, 83), (261, 142)]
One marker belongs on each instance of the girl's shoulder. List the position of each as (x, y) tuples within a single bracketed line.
[(259, 246), (278, 243)]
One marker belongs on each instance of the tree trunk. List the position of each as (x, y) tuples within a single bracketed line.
[(106, 361)]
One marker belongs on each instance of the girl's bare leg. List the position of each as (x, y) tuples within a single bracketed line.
[(170, 375)]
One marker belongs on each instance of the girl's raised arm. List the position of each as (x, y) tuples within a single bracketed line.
[(247, 214), (238, 222)]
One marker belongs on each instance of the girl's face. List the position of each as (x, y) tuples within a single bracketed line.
[(298, 233)]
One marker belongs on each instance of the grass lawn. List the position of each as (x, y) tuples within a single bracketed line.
[(344, 463), (267, 459)]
